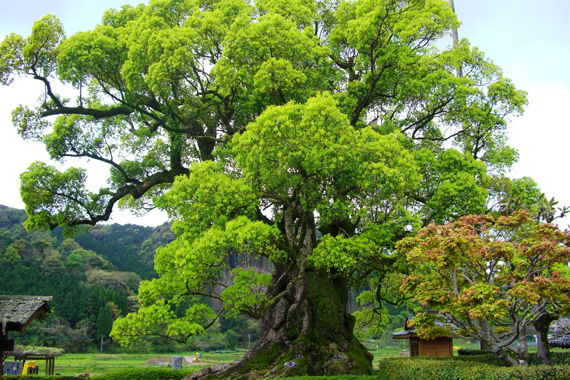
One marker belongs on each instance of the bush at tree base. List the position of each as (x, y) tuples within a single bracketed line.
[(555, 357)]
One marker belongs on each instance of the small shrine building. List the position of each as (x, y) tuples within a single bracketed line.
[(442, 346)]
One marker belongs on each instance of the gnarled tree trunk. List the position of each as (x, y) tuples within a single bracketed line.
[(522, 352), (541, 324), (305, 332)]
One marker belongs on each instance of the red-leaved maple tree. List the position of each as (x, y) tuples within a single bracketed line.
[(493, 277)]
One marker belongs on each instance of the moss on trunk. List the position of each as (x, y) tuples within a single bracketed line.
[(308, 332)]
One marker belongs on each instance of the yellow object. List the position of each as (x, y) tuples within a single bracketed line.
[(197, 358), (28, 368)]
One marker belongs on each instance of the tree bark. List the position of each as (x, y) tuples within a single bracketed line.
[(510, 358), (523, 348), (485, 330), (541, 325), (307, 332)]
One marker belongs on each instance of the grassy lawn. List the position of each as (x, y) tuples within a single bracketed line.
[(76, 364), (94, 363)]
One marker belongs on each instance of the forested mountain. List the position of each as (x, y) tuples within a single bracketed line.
[(127, 248), (93, 277)]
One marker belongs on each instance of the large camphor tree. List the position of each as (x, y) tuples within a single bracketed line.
[(312, 134)]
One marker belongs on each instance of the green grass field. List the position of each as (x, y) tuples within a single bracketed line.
[(76, 364), (95, 363)]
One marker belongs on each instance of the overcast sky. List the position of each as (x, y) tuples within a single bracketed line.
[(528, 39)]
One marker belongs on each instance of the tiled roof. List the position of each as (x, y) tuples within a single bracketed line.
[(562, 342), (17, 312)]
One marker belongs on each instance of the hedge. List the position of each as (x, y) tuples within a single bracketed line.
[(35, 377), (124, 374), (556, 357), (144, 374), (459, 369)]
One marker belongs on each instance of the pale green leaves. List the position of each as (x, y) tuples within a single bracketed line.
[(207, 197), (160, 320), (278, 77), (30, 123), (452, 185), (96, 54), (36, 54), (291, 142), (344, 254), (275, 59), (312, 149), (52, 197), (11, 59), (299, 12), (248, 293)]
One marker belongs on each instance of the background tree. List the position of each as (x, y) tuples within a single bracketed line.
[(342, 116), (104, 321), (11, 257), (507, 196), (489, 272)]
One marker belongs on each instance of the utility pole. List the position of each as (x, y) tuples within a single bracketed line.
[(101, 343), (455, 36)]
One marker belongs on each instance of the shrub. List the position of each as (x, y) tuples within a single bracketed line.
[(480, 367), (466, 352), (142, 374), (35, 377), (556, 357), (337, 377)]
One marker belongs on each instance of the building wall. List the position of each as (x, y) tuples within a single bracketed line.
[(436, 347)]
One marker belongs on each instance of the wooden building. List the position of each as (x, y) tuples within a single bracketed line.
[(442, 346), (16, 314)]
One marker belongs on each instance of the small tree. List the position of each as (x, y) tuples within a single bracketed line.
[(489, 272), (104, 320), (11, 257)]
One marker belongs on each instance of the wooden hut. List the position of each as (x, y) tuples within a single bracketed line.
[(16, 314), (441, 346)]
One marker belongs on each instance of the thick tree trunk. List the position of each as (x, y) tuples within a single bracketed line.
[(523, 349), (509, 357), (485, 330), (541, 325), (307, 332)]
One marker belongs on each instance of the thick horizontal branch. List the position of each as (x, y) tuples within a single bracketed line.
[(134, 190), (97, 114)]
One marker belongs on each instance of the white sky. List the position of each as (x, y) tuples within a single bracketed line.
[(528, 39)]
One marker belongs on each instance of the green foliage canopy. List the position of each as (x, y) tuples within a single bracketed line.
[(159, 86)]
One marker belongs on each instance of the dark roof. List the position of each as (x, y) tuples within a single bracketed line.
[(562, 342), (404, 334), (17, 312)]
